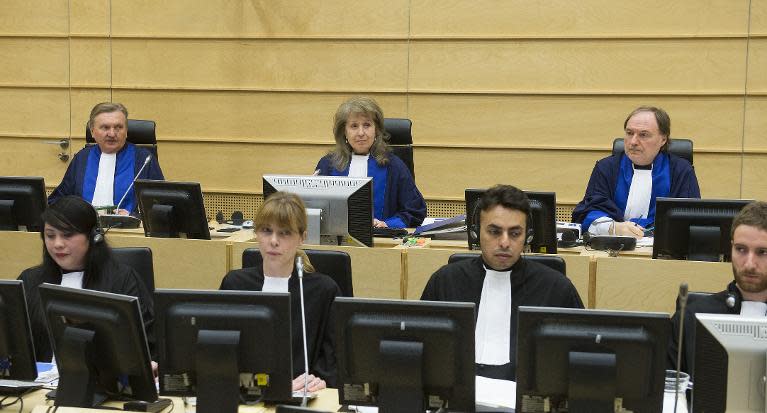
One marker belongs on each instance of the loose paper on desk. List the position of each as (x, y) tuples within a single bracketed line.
[(495, 393)]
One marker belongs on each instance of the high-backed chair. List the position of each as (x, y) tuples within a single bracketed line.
[(693, 296), (552, 261), (401, 140), (336, 264), (140, 258), (140, 133), (679, 146)]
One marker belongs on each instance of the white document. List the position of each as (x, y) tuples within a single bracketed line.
[(495, 393)]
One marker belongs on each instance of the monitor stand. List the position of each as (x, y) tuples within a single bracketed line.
[(703, 243), (77, 383), (218, 377), (591, 382), (401, 389), (314, 220)]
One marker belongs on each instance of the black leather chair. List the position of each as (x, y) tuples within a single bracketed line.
[(552, 261), (140, 133), (692, 297), (336, 264), (679, 146), (140, 258), (401, 140)]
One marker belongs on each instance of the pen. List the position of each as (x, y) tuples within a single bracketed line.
[(649, 230)]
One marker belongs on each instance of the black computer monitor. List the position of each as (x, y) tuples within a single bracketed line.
[(694, 229), (100, 346), (172, 209), (346, 205), (730, 359), (22, 201), (543, 214), (587, 360), (405, 356), (224, 346), (17, 352)]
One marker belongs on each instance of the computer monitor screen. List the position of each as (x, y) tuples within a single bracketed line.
[(17, 352), (346, 205), (694, 229), (729, 363), (172, 209), (405, 356), (590, 360), (22, 201), (543, 214), (224, 346), (100, 346)]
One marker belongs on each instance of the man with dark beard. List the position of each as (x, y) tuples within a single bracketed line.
[(746, 295)]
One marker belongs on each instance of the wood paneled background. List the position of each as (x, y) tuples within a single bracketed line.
[(512, 91)]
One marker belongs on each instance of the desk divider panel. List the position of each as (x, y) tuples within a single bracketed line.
[(182, 263), (639, 284), (19, 251)]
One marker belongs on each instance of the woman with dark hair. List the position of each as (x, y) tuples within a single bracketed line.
[(361, 151), (75, 254), (280, 226)]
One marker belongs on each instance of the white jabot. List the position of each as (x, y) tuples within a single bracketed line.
[(359, 166), (492, 336), (275, 284), (72, 279), (638, 202), (753, 308), (103, 195)]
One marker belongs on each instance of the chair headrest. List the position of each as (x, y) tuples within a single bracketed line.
[(140, 132), (400, 130), (680, 147)]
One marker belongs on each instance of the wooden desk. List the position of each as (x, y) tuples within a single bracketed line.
[(327, 400), (20, 250), (652, 285), (242, 235), (181, 263), (376, 272)]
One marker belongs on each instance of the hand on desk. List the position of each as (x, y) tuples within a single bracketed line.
[(379, 224), (628, 228), (122, 212), (314, 383)]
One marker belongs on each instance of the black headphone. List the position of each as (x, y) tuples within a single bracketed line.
[(474, 229)]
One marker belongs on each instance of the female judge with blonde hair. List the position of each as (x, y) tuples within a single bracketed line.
[(280, 225)]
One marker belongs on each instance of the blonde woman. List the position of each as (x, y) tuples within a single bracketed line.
[(280, 226)]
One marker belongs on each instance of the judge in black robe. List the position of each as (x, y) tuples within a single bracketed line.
[(319, 293), (531, 283)]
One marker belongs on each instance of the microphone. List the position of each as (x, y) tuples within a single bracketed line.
[(730, 300), (146, 162), (682, 306), (300, 270)]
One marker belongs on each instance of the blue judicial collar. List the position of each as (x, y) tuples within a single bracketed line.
[(124, 173)]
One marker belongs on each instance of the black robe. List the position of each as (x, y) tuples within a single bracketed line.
[(532, 284), (115, 278), (319, 293), (713, 304)]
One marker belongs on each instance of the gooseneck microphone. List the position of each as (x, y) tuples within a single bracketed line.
[(146, 162), (300, 269), (682, 306)]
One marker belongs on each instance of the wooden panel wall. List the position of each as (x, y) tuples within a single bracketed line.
[(529, 93)]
